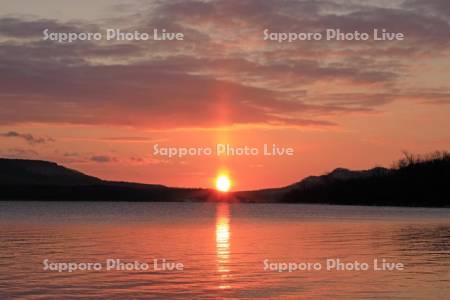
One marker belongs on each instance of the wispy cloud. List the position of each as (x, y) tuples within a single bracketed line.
[(29, 138), (208, 81), (103, 158), (19, 153)]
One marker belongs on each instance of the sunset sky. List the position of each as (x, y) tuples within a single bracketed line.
[(100, 106)]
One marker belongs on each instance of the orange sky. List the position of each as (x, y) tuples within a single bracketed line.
[(101, 106)]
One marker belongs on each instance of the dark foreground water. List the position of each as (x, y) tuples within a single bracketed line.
[(221, 251)]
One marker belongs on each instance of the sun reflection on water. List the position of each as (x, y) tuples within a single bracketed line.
[(223, 235)]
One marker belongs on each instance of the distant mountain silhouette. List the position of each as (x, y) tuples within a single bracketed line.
[(311, 182), (39, 172), (22, 179), (413, 181), (339, 174)]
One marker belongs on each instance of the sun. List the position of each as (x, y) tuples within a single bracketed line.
[(223, 183)]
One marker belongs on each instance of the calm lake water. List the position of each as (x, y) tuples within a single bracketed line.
[(223, 249)]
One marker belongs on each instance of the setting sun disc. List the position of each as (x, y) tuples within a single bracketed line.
[(223, 183)]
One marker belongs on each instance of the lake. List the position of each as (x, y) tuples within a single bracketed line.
[(210, 251)]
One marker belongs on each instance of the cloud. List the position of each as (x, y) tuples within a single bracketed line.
[(440, 8), (71, 154), (223, 73), (146, 95), (29, 138), (127, 139), (19, 153), (103, 159), (26, 28)]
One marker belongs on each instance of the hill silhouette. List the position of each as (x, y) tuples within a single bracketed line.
[(412, 181), (22, 179), (39, 172)]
